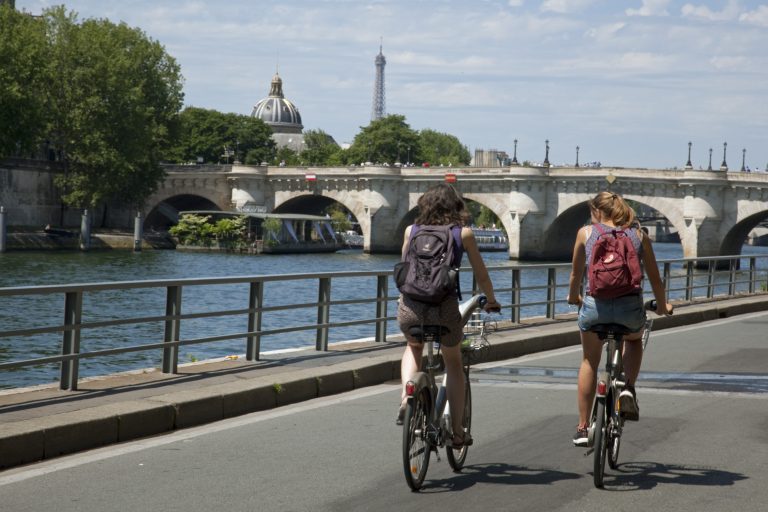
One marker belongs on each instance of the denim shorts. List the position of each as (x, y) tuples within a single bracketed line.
[(627, 311)]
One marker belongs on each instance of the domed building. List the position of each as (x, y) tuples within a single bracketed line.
[(282, 116)]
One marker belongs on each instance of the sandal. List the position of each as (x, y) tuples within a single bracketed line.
[(457, 442)]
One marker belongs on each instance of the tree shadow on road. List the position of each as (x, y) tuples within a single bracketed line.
[(634, 476), (499, 473)]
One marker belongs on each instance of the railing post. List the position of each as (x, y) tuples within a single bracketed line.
[(689, 281), (382, 292), (323, 313), (172, 329), (734, 264), (3, 229), (73, 308), (667, 275), (255, 303), (551, 291), (515, 306), (711, 278), (85, 231), (138, 232), (752, 272)]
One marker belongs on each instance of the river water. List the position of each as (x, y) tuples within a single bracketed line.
[(62, 267)]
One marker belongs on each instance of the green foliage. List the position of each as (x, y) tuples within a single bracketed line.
[(113, 97), (319, 148), (194, 230), (286, 156), (271, 227), (217, 137), (443, 149), (385, 140), (339, 218), (23, 73), (481, 215), (231, 232)]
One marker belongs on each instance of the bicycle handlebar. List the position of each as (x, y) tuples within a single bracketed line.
[(468, 307), (651, 306)]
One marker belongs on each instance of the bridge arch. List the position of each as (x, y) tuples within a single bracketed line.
[(166, 212)]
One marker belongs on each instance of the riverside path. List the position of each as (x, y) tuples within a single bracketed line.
[(699, 446)]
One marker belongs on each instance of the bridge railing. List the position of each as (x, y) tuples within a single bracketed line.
[(102, 321)]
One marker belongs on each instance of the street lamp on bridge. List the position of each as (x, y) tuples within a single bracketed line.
[(743, 158), (546, 155), (688, 164), (724, 165), (709, 168), (577, 156)]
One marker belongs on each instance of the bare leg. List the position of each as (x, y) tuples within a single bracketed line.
[(633, 357), (591, 348), (410, 364), (455, 385)]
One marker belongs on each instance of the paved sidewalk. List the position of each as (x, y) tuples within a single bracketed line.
[(41, 423)]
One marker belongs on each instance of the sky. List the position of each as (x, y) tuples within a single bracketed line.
[(630, 82)]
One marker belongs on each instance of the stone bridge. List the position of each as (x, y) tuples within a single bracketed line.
[(540, 208)]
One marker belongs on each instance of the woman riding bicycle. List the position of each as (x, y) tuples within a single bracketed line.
[(610, 211), (442, 206)]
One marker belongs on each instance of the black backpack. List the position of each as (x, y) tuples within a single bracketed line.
[(429, 272)]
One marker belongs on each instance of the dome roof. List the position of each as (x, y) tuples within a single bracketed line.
[(278, 112)]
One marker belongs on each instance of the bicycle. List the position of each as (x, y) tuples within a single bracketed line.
[(607, 420), (427, 422)]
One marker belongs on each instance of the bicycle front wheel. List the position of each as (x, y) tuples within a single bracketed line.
[(455, 457), (601, 443), (416, 448)]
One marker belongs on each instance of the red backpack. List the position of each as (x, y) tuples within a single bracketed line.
[(614, 269)]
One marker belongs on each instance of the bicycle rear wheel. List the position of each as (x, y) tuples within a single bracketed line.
[(614, 441), (416, 448), (601, 442), (455, 457)]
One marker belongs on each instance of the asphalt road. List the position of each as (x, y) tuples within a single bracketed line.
[(701, 445)]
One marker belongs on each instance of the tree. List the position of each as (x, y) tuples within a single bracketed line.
[(442, 148), (385, 140), (319, 148), (287, 156), (22, 75), (113, 101), (221, 137)]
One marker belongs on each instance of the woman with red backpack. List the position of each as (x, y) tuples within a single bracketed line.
[(611, 217)]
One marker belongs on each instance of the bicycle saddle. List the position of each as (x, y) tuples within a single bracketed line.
[(421, 331), (602, 330)]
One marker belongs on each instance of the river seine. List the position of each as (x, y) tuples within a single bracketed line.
[(59, 267)]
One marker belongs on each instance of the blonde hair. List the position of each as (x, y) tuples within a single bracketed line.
[(614, 207)]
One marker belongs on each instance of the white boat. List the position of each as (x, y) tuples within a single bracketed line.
[(493, 239)]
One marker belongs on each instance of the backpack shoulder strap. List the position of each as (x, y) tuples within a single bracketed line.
[(456, 230)]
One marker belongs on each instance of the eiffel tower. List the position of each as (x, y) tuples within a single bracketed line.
[(378, 87)]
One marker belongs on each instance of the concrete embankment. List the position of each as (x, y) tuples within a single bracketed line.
[(44, 422), (63, 240)]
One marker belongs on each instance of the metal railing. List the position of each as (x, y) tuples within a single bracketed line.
[(270, 308)]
